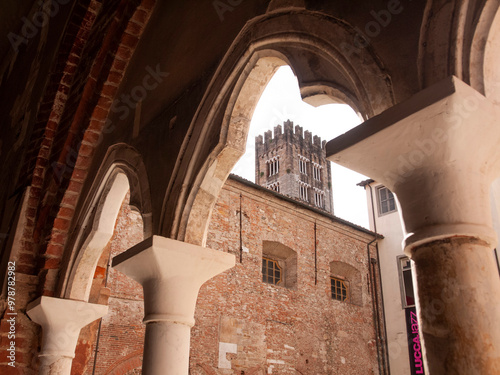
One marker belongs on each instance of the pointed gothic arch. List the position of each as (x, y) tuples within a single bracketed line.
[(122, 171), (327, 71)]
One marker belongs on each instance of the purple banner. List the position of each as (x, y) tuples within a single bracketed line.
[(414, 347)]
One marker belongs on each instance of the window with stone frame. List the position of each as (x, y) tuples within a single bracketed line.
[(319, 198), (317, 171), (303, 191), (273, 166), (279, 265), (303, 164), (386, 201)]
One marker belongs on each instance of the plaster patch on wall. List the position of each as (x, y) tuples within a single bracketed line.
[(224, 349)]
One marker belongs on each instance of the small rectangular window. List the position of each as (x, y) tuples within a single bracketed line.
[(318, 198), (271, 271), (340, 289), (406, 282), (386, 202)]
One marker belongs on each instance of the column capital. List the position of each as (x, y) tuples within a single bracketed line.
[(438, 152), (61, 321), (171, 273)]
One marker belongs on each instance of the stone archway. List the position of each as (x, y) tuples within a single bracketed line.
[(103, 224), (263, 45), (115, 216), (122, 171)]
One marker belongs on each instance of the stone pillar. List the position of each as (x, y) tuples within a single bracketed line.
[(61, 321), (171, 273), (439, 153)]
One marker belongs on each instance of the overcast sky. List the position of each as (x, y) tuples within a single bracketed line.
[(281, 101)]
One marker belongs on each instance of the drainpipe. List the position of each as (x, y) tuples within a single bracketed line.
[(374, 307), (496, 258), (386, 351)]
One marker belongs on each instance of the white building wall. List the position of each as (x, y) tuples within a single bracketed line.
[(390, 248)]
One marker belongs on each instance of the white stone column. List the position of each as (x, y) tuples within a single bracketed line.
[(61, 321), (171, 273), (439, 152)]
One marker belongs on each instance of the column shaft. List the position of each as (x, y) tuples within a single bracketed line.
[(166, 349), (459, 306)]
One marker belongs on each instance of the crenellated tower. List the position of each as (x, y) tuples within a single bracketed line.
[(293, 163)]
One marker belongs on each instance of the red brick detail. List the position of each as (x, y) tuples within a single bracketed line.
[(109, 90), (52, 263), (100, 272), (61, 224), (70, 200), (54, 249), (65, 212)]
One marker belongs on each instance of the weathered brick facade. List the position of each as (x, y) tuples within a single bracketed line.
[(294, 158), (243, 325)]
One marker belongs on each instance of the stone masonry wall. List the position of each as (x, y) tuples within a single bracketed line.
[(245, 326)]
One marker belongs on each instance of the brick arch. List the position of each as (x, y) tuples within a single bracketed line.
[(106, 39), (235, 90), (94, 51)]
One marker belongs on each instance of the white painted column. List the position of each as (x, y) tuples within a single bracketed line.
[(61, 321), (171, 273), (439, 152)]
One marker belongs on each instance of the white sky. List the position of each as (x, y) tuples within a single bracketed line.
[(281, 101)]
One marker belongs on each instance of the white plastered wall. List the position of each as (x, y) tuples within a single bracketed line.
[(390, 248)]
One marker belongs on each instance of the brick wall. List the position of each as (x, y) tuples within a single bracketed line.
[(245, 326), (97, 46)]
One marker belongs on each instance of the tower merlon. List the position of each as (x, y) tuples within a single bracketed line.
[(308, 137), (317, 141), (268, 135), (277, 131)]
